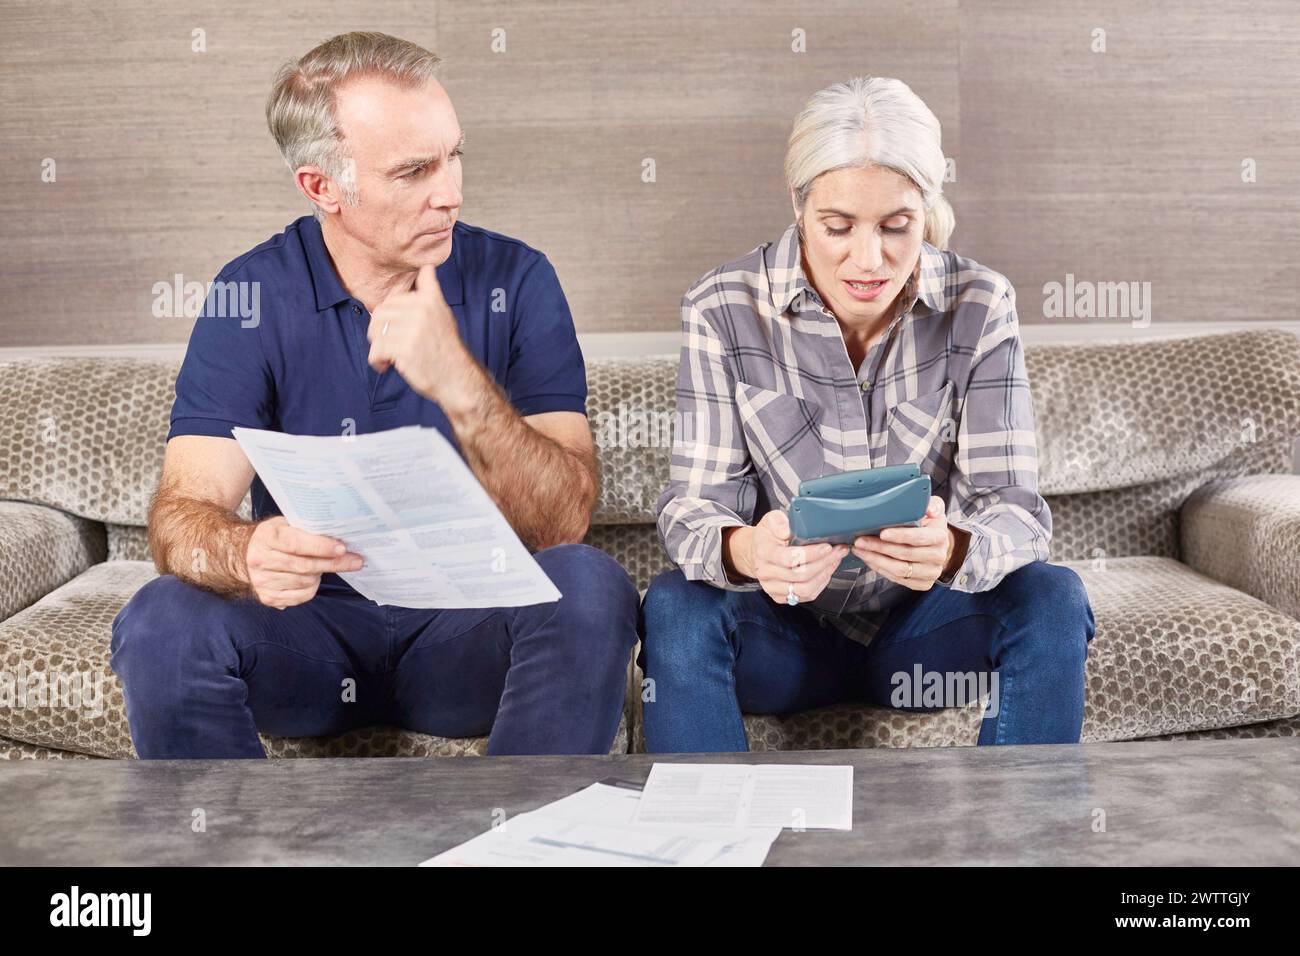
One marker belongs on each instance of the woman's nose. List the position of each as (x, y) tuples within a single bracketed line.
[(866, 255)]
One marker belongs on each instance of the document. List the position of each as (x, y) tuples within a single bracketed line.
[(794, 796), (403, 499), (595, 827)]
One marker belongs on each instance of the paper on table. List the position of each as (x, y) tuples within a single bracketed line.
[(403, 499), (803, 797), (594, 827)]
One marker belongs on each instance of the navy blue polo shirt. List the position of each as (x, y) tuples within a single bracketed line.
[(297, 363)]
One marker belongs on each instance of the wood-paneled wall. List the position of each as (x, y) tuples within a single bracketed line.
[(1115, 166)]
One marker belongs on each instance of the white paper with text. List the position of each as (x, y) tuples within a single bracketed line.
[(404, 499), (793, 796)]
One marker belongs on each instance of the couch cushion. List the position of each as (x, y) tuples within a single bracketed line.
[(127, 542), (1174, 652), (1286, 727), (13, 750), (69, 631), (631, 407), (41, 548), (635, 546), (1144, 519), (1107, 415), (1121, 413), (87, 434), (1177, 651)]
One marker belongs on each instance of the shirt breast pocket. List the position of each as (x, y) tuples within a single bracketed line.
[(923, 432), (782, 437)]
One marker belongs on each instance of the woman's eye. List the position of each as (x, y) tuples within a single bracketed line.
[(838, 232), (902, 227)]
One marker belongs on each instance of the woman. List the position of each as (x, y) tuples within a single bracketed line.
[(857, 341)]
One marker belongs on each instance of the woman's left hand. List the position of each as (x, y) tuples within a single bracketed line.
[(928, 547)]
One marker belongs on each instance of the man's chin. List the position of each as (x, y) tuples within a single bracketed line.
[(426, 248)]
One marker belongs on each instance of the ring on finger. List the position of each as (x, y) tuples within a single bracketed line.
[(790, 597)]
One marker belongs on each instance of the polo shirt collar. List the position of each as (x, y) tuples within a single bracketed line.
[(329, 288), (787, 280)]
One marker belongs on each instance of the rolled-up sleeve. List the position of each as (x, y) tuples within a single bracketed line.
[(712, 484), (994, 480)]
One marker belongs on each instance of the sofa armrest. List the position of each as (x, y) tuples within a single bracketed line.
[(40, 549), (1245, 532)]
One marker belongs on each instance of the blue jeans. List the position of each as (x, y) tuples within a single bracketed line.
[(714, 655), (204, 674)]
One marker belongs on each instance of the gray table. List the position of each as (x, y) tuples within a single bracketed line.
[(1212, 802)]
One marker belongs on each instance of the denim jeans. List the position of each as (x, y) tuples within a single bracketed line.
[(713, 655), (203, 674)]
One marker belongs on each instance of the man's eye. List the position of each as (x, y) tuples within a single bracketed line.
[(413, 173)]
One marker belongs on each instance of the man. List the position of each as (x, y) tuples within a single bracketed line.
[(380, 310)]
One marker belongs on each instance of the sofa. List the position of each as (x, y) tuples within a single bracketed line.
[(1167, 464)]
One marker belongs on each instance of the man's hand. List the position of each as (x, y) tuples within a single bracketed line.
[(285, 564), (763, 553), (931, 548), (415, 330), (542, 473)]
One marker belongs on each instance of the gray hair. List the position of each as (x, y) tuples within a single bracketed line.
[(871, 121), (300, 109)]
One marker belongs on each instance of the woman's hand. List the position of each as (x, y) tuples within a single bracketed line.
[(930, 547), (764, 554)]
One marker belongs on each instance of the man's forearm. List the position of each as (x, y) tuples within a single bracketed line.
[(201, 543), (544, 490)]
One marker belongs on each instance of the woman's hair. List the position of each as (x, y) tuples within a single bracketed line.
[(871, 121), (300, 109)]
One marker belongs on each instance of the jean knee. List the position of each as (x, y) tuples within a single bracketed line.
[(1069, 593), (676, 614), (1058, 596), (165, 620), (599, 600)]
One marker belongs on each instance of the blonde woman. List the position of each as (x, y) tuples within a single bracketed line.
[(857, 340)]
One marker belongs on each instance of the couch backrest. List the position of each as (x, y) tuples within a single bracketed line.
[(1126, 430), (1153, 419)]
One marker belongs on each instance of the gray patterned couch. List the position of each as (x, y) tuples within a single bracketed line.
[(1165, 463)]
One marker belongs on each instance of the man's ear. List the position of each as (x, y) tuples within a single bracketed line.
[(319, 189)]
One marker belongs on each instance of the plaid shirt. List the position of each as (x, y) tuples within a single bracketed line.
[(767, 397)]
